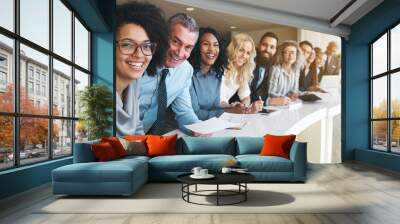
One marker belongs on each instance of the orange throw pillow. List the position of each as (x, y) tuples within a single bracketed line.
[(116, 145), (136, 137), (277, 145), (103, 152), (161, 145)]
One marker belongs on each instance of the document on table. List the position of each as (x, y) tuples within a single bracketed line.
[(213, 125), (293, 105)]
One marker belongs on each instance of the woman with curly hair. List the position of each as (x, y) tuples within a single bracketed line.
[(208, 60), (141, 42), (241, 53), (285, 73)]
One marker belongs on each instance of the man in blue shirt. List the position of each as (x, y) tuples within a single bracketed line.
[(174, 79)]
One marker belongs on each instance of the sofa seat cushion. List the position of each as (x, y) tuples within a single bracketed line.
[(257, 163), (112, 171), (185, 163)]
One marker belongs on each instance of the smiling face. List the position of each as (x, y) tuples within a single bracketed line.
[(312, 57), (289, 55), (209, 49), (181, 44), (243, 54), (268, 47), (132, 66), (320, 60), (307, 50)]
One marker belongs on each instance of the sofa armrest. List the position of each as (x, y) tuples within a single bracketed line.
[(298, 155), (83, 152)]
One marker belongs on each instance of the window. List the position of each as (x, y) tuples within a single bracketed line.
[(385, 94), (30, 87), (3, 72), (40, 129)]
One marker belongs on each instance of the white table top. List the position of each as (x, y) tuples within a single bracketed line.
[(284, 121)]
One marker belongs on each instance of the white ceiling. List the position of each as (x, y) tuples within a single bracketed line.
[(250, 15)]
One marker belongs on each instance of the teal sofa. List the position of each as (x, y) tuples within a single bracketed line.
[(125, 176)]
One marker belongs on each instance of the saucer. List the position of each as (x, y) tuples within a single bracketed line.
[(208, 176)]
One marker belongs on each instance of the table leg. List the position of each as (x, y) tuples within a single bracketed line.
[(217, 194), (196, 188), (245, 191)]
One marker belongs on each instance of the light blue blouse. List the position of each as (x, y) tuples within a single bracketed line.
[(205, 92)]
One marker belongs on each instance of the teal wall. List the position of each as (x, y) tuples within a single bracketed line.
[(98, 15), (356, 82)]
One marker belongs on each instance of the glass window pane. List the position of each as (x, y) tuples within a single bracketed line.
[(81, 131), (62, 29), (33, 139), (379, 135), (35, 21), (379, 55), (7, 14), (395, 94), (6, 142), (379, 98), (62, 89), (395, 136), (62, 141), (81, 45), (6, 74), (395, 47), (34, 97), (81, 81)]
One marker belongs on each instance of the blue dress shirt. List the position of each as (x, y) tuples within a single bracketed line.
[(205, 92), (178, 83)]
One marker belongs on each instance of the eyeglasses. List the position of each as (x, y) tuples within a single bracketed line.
[(290, 52), (129, 47)]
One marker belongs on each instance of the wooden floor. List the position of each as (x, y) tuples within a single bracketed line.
[(377, 188)]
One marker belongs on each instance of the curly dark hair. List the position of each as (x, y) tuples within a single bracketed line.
[(151, 19), (220, 63)]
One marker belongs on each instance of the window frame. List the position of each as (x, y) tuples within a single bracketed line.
[(388, 74), (16, 115)]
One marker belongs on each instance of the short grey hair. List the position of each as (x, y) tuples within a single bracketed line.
[(185, 20)]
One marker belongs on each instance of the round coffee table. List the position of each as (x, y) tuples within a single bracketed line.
[(238, 179)]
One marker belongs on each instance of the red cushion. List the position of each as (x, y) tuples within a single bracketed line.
[(103, 152), (161, 145), (116, 145), (277, 145)]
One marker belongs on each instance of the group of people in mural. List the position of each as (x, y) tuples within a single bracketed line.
[(173, 73)]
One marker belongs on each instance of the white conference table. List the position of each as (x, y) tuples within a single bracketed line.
[(294, 121)]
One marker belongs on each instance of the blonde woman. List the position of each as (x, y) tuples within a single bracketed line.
[(241, 53), (285, 73)]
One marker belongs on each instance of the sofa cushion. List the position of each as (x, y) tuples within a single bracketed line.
[(185, 163), (116, 145), (249, 145), (134, 147), (199, 146), (257, 163), (112, 171), (103, 152), (275, 145), (161, 145)]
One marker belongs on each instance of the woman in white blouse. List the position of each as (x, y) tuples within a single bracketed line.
[(241, 53)]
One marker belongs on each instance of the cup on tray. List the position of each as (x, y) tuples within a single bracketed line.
[(196, 170), (203, 172)]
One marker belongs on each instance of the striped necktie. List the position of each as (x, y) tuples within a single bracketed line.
[(159, 125)]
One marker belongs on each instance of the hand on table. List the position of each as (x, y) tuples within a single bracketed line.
[(195, 134)]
